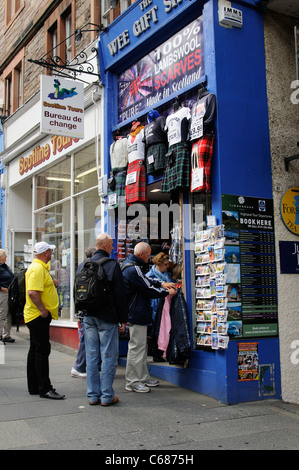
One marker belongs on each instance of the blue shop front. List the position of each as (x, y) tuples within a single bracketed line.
[(187, 157)]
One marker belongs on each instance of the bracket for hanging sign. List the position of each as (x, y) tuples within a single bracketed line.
[(80, 64)]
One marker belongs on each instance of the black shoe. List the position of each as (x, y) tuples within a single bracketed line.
[(53, 395), (8, 339), (159, 359)]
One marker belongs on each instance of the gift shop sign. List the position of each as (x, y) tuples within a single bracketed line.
[(289, 210), (62, 107), (140, 21)]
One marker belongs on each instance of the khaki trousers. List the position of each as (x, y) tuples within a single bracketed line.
[(136, 369), (5, 322)]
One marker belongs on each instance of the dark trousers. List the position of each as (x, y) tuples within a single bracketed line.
[(38, 380)]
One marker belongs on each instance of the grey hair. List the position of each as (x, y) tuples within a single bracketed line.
[(89, 252)]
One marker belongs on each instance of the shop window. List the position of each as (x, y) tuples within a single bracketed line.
[(85, 169), (13, 82), (87, 222), (12, 9), (54, 226), (54, 184)]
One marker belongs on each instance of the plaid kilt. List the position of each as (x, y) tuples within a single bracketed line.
[(201, 157), (177, 175), (136, 192), (120, 185), (158, 151)]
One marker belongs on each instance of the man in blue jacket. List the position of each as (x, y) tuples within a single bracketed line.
[(101, 330), (140, 291)]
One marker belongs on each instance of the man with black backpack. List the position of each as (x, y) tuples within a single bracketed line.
[(101, 327)]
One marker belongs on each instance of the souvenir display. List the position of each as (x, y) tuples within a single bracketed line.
[(177, 172), (210, 288), (202, 139), (136, 177), (117, 180), (155, 139)]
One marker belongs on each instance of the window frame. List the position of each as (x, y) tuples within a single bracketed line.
[(57, 22), (10, 15), (13, 75)]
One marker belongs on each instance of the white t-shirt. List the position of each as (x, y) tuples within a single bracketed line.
[(177, 126), (119, 153), (135, 146)]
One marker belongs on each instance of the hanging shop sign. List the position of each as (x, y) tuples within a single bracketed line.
[(289, 257), (171, 67), (250, 266), (139, 23), (62, 107), (289, 209)]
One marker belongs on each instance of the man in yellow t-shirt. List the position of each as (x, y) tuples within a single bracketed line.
[(41, 306)]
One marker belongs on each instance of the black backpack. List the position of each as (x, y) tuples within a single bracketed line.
[(17, 296), (91, 287)]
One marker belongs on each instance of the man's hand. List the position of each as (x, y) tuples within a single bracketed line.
[(44, 314), (35, 296), (168, 285), (171, 291), (121, 327)]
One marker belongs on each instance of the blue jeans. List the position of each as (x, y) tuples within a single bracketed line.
[(80, 364), (101, 338)]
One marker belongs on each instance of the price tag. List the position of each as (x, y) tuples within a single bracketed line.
[(172, 137), (196, 131), (197, 179), (131, 178), (112, 199)]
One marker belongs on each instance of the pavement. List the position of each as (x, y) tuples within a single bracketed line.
[(169, 419)]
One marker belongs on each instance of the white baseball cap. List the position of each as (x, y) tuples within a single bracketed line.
[(41, 247)]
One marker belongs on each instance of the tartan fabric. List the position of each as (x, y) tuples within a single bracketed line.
[(120, 185), (136, 192), (201, 157), (158, 151), (177, 175)]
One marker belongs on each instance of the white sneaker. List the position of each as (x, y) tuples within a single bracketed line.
[(139, 388), (77, 374), (151, 383)]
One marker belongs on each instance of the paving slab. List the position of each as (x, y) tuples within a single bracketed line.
[(168, 419)]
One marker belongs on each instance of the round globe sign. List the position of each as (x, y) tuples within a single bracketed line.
[(289, 209)]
